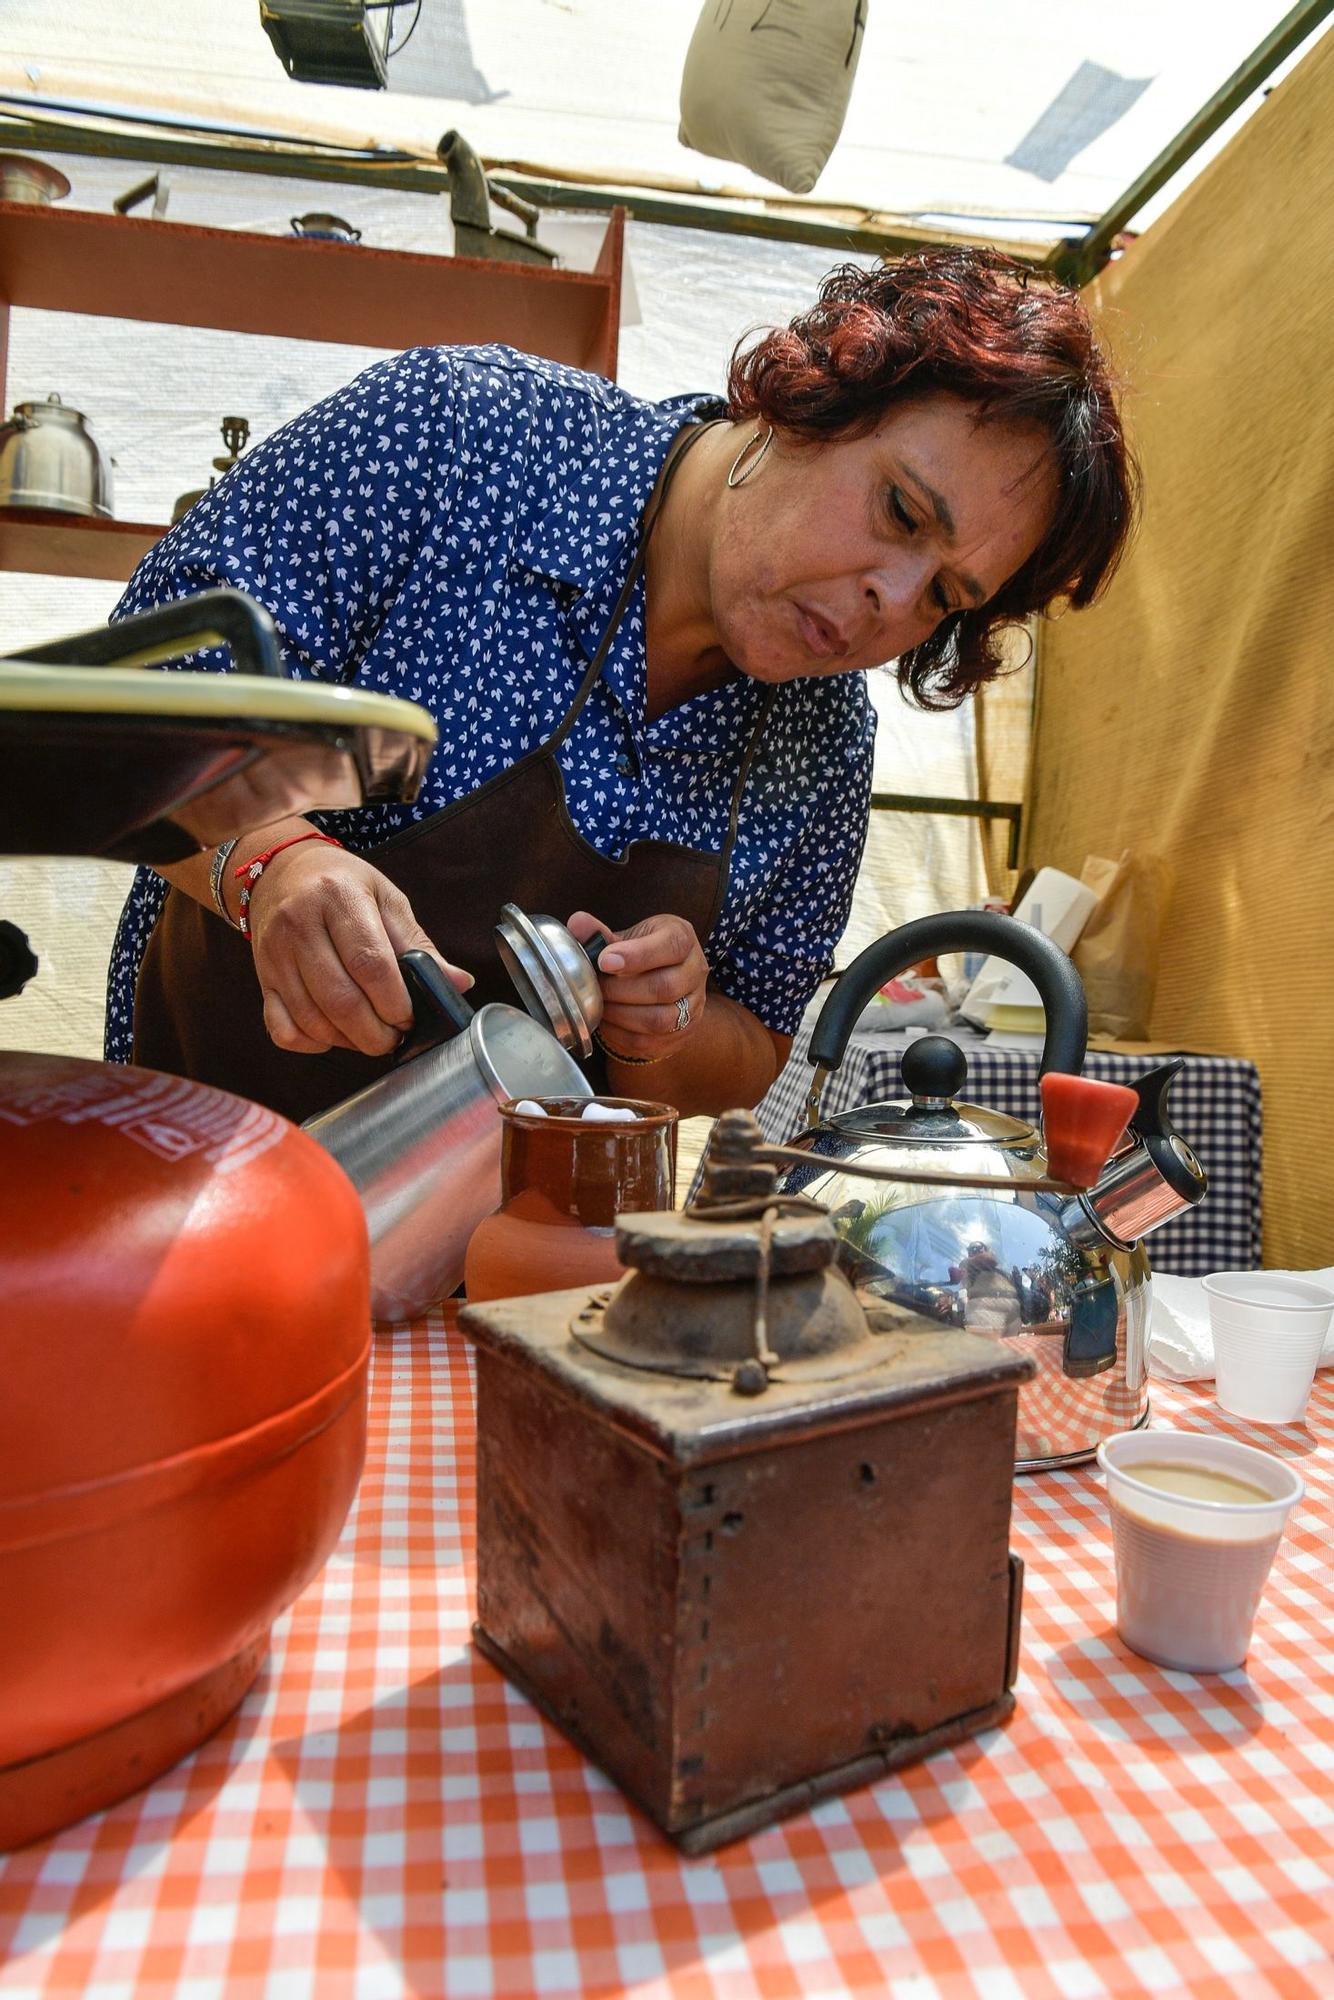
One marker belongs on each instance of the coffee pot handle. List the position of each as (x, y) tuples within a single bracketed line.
[(1031, 951), (438, 1008)]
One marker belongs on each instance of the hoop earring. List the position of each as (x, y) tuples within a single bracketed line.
[(736, 477)]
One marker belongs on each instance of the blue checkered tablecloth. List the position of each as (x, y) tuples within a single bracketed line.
[(1214, 1103)]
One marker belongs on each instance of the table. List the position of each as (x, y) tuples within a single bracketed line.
[(1215, 1104), (385, 1817)]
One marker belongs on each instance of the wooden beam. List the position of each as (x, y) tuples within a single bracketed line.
[(178, 274), (610, 265)]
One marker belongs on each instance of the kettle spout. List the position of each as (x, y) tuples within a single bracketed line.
[(1153, 1177)]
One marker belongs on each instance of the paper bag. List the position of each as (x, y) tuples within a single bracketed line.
[(1117, 952), (1058, 906)]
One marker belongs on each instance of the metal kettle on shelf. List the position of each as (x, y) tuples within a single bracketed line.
[(50, 460), (1062, 1277)]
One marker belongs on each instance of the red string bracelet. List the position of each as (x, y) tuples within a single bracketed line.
[(250, 871)]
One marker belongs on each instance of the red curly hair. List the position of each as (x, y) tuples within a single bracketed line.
[(974, 324)]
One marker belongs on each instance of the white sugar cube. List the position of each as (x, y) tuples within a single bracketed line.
[(533, 1109), (607, 1114)]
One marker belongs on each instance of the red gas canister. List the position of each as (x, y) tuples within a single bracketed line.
[(184, 1341)]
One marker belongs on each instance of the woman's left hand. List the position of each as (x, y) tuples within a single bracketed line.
[(654, 980)]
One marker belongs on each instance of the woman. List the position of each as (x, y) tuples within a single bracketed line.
[(641, 629)]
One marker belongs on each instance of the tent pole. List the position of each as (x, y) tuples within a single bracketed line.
[(158, 144), (916, 802), (1080, 258)]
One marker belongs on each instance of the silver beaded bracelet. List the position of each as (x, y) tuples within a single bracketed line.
[(215, 875)]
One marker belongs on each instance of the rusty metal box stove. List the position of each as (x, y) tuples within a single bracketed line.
[(740, 1603)]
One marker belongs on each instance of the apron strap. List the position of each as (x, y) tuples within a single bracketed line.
[(683, 442), (729, 841), (766, 707)]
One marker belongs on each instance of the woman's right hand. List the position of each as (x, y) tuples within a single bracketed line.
[(327, 930)]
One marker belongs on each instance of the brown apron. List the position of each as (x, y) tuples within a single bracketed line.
[(198, 1008)]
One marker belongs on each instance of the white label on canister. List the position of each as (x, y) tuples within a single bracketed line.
[(167, 1116)]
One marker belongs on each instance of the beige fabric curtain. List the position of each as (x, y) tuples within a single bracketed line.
[(915, 863), (1002, 727), (1191, 715)]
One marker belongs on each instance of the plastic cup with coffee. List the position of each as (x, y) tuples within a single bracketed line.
[(1195, 1523), (1269, 1329)]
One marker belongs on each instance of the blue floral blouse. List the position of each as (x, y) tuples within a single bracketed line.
[(454, 527)]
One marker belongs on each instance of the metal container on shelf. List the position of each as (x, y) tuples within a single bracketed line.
[(24, 179), (236, 436), (50, 459), (325, 228)]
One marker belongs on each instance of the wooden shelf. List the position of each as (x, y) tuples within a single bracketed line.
[(176, 274), (73, 544)]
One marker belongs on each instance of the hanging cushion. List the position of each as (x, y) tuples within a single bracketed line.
[(766, 83)]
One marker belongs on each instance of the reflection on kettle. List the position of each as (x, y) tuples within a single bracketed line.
[(991, 1296), (1062, 1277)]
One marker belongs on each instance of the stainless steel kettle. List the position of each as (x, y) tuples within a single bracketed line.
[(50, 459), (1061, 1278), (422, 1143)]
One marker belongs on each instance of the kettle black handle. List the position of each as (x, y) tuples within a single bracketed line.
[(1031, 951), (186, 625), (438, 1008)]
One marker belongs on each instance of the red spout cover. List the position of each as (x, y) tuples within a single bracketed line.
[(1082, 1121)]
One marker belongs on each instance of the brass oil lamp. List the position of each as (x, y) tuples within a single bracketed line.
[(742, 1535)]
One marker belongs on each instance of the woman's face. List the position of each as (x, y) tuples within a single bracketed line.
[(847, 554)]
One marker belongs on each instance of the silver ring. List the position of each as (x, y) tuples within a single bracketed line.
[(682, 1013)]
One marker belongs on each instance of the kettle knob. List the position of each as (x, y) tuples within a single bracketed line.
[(933, 1068)]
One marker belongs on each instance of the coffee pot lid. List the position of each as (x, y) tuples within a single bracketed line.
[(555, 975)]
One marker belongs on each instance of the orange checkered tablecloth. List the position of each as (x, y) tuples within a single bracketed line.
[(385, 1816)]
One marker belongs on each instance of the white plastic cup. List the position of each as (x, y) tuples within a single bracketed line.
[(1268, 1331), (1189, 1573)]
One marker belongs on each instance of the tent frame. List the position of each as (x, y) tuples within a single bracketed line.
[(109, 131)]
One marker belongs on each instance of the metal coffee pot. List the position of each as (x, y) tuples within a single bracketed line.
[(1062, 1278), (26, 179), (422, 1144), (50, 459)]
